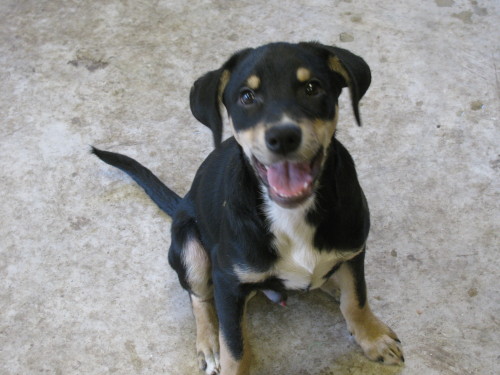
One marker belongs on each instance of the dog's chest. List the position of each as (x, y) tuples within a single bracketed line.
[(300, 264)]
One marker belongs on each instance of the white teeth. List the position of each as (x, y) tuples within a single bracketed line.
[(299, 194)]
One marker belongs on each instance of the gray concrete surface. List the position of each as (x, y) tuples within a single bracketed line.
[(84, 283)]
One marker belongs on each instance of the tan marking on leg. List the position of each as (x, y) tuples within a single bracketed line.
[(303, 74), (207, 340), (253, 82), (376, 339), (331, 288), (247, 276), (198, 273), (231, 365), (198, 268)]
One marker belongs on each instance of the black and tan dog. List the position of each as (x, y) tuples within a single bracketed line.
[(278, 206)]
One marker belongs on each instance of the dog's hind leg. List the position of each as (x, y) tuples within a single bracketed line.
[(199, 277), (188, 257)]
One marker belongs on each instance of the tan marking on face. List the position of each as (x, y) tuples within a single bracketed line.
[(335, 65), (303, 74), (315, 134), (253, 82), (207, 338), (198, 268), (324, 130), (251, 140)]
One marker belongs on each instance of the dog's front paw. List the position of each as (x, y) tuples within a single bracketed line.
[(379, 342), (209, 362), (383, 349)]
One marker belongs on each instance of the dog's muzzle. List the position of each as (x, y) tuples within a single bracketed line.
[(289, 182)]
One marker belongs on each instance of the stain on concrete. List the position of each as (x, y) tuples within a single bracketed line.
[(89, 61), (77, 223), (440, 357), (412, 258), (76, 121), (134, 357), (495, 164), (346, 37), (465, 16), (445, 3), (480, 11), (472, 292), (356, 19), (326, 371), (476, 105)]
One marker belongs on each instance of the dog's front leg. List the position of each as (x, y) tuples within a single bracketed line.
[(230, 304), (376, 339)]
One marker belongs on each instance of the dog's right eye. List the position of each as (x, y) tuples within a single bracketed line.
[(312, 88), (247, 97)]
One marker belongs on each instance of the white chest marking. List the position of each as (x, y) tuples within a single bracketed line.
[(300, 264)]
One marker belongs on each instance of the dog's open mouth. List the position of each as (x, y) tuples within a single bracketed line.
[(289, 183)]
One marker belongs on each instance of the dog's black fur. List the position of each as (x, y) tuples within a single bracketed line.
[(230, 235)]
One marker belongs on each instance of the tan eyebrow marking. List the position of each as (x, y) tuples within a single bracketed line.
[(253, 82), (303, 74)]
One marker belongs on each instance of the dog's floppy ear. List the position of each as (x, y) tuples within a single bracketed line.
[(353, 69), (206, 96)]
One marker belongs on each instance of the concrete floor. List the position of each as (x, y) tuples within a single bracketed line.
[(84, 283)]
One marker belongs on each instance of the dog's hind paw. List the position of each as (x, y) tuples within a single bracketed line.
[(207, 335)]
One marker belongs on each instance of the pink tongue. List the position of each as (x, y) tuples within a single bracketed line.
[(289, 179)]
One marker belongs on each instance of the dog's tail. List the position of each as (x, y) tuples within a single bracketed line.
[(165, 198)]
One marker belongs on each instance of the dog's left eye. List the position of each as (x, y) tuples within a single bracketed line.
[(247, 97), (312, 88)]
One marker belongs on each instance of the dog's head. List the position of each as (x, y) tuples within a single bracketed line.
[(282, 104)]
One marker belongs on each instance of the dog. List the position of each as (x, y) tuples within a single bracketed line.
[(277, 206)]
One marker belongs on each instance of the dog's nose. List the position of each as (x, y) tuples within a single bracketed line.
[(283, 139)]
